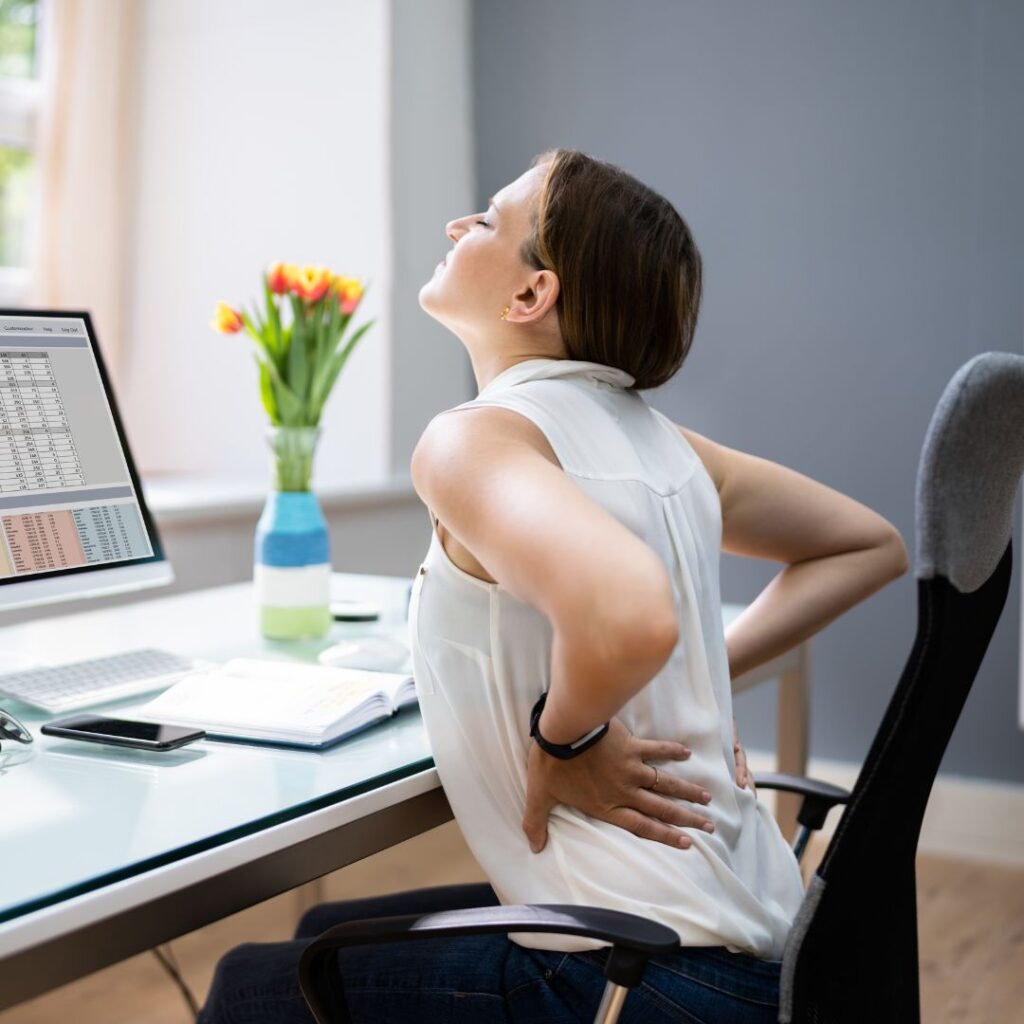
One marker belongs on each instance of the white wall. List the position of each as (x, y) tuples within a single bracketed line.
[(263, 135), (433, 181)]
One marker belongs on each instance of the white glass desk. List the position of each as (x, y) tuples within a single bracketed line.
[(106, 852)]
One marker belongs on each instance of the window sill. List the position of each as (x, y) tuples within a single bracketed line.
[(184, 500)]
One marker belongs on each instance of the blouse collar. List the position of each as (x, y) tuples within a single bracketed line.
[(543, 368)]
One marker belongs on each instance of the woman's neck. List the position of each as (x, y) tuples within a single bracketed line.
[(489, 363)]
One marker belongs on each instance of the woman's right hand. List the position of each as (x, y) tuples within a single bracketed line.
[(612, 781)]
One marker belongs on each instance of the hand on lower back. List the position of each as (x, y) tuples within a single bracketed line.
[(612, 781)]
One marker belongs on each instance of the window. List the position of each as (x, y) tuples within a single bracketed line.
[(19, 102)]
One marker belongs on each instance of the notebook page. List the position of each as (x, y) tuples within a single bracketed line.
[(296, 704), (286, 671), (397, 688)]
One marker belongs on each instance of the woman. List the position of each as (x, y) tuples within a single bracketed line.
[(575, 554)]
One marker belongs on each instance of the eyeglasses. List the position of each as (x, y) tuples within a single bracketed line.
[(12, 729)]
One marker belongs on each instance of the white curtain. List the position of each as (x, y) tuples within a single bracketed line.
[(85, 156)]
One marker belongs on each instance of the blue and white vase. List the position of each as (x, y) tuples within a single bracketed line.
[(292, 564)]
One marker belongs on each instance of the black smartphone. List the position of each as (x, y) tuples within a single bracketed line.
[(122, 732)]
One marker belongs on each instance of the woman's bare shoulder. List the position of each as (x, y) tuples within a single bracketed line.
[(508, 426), (539, 534)]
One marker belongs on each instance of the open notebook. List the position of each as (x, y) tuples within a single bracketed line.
[(279, 702)]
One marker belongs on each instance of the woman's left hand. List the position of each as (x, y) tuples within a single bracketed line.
[(743, 773), (613, 781)]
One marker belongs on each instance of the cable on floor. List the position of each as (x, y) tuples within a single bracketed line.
[(170, 964)]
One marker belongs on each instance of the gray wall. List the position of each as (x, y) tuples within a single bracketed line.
[(852, 174)]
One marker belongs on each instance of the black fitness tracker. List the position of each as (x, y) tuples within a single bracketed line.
[(563, 751)]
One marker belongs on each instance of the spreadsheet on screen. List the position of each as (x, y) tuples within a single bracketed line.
[(67, 498)]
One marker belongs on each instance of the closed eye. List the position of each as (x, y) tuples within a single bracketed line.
[(485, 224)]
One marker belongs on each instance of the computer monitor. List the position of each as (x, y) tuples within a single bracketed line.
[(73, 518)]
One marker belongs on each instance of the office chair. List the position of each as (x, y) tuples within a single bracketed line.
[(851, 955)]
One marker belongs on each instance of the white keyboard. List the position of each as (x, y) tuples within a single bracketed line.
[(78, 684)]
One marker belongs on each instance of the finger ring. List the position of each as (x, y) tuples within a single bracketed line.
[(654, 785)]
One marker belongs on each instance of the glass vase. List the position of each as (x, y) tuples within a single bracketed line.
[(292, 565)]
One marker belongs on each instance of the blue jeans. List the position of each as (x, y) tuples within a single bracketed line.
[(479, 979)]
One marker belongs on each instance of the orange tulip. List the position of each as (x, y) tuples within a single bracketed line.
[(311, 283), (226, 320), (350, 291), (280, 277)]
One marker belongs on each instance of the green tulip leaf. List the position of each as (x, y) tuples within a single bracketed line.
[(333, 367), (295, 368), (253, 333), (267, 396), (288, 405), (273, 317)]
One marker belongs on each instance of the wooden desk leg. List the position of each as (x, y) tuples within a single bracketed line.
[(312, 893), (792, 737)]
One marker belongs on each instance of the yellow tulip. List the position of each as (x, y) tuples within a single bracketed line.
[(312, 282), (349, 294), (226, 320)]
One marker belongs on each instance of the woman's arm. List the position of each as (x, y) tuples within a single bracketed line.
[(837, 551), (605, 592), (485, 474)]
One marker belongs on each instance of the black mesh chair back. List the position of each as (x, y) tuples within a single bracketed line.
[(852, 954)]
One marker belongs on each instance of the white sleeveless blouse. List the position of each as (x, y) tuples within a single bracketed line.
[(481, 658)]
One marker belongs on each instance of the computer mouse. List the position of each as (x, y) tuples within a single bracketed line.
[(382, 653)]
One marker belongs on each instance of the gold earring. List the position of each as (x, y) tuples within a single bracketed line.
[(504, 314)]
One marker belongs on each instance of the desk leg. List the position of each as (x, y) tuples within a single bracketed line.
[(792, 732), (311, 895)]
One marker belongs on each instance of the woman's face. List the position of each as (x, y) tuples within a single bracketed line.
[(483, 271)]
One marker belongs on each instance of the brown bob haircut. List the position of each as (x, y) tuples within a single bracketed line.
[(628, 268)]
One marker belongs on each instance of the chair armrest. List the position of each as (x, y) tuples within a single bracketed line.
[(634, 939), (819, 797)]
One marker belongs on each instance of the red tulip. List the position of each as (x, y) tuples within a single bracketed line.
[(280, 277)]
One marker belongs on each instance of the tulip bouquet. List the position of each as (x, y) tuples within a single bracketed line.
[(298, 362), (300, 352)]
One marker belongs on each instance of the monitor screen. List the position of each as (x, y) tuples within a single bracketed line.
[(70, 500)]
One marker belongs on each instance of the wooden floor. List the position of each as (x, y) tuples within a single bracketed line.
[(970, 915)]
